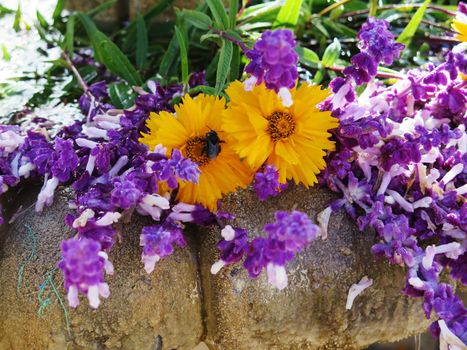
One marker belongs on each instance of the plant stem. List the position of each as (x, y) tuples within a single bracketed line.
[(390, 7), (75, 72), (332, 7), (373, 7), (379, 74), (234, 40)]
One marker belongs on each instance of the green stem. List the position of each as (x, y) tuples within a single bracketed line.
[(373, 7), (332, 7)]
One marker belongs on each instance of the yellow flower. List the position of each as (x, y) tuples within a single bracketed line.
[(187, 130), (293, 139), (459, 24)]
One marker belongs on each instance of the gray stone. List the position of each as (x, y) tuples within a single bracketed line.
[(310, 313), (108, 18), (142, 311), (142, 6)]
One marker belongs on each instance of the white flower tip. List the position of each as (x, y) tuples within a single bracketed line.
[(104, 290), (323, 221), (82, 220), (217, 266), (416, 282), (250, 83), (109, 218), (93, 296), (228, 233), (72, 296), (149, 262), (277, 276), (285, 96), (356, 289), (447, 339)]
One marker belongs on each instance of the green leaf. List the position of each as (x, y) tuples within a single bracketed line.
[(288, 14), (223, 66), (5, 54), (307, 56), (219, 14), (121, 95), (233, 9), (409, 31), (183, 54), (58, 9), (208, 90), (42, 21), (5, 11), (331, 53), (197, 19), (169, 58), (235, 64), (102, 7), (108, 53), (141, 42), (17, 21), (157, 9), (69, 39)]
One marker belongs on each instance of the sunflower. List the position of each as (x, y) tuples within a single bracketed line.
[(187, 130), (293, 139), (459, 24)]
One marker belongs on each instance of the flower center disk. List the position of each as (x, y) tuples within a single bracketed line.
[(281, 125), (195, 150)]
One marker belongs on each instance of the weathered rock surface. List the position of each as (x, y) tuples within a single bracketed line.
[(110, 17), (181, 303), (142, 6), (310, 313), (142, 312)]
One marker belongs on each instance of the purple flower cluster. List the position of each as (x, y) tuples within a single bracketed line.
[(83, 265), (267, 183), (158, 241), (288, 235), (401, 167), (273, 60), (113, 176), (377, 46)]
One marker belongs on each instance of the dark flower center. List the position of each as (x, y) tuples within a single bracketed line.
[(281, 125), (195, 150)]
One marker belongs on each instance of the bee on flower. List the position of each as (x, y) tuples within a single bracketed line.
[(195, 129)]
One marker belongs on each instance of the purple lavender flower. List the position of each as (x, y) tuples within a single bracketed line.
[(64, 160), (125, 194), (288, 235), (83, 264), (157, 242), (274, 60), (233, 246), (175, 169), (376, 39), (267, 183)]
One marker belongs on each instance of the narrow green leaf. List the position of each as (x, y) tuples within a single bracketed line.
[(169, 58), (235, 64), (208, 90), (197, 19), (183, 54), (121, 95), (331, 54), (157, 9), (58, 9), (42, 21), (288, 14), (5, 10), (219, 14), (101, 8), (409, 31), (69, 40), (141, 42), (5, 54), (223, 66), (108, 53), (17, 21), (307, 56), (233, 9)]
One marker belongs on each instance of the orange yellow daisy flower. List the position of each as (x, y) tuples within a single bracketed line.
[(187, 129), (294, 139), (459, 24)]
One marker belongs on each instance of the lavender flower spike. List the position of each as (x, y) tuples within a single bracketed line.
[(232, 247), (273, 60), (83, 264)]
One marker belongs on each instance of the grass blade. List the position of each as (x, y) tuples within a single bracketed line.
[(288, 14), (183, 54), (409, 31), (219, 14), (223, 67), (141, 42)]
